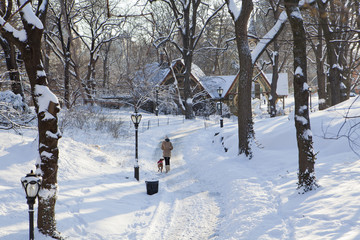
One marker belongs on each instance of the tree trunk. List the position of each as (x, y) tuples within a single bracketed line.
[(245, 122), (187, 54), (12, 67), (274, 80), (320, 73), (189, 113), (48, 137), (67, 75), (106, 65), (333, 54), (306, 175)]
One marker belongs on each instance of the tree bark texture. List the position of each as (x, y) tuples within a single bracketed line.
[(306, 157)]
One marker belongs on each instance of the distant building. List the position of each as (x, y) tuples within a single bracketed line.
[(261, 87), (205, 87)]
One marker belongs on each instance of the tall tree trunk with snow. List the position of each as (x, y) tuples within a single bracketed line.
[(187, 34), (306, 156), (187, 55), (46, 106), (245, 121), (320, 71), (275, 56), (274, 80)]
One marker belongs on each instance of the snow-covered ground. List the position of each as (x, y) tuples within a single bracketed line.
[(209, 193)]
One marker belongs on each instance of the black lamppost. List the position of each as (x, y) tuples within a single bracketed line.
[(310, 90), (136, 118), (31, 184), (157, 100), (220, 92)]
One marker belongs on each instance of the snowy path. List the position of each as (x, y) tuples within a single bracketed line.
[(186, 209)]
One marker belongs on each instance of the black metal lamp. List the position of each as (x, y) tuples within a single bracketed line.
[(31, 184), (136, 118), (220, 92)]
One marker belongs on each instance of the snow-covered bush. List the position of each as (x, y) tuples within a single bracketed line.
[(90, 118), (14, 100), (14, 113)]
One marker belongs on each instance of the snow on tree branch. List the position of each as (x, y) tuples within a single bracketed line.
[(28, 14), (269, 37), (18, 34), (274, 31), (234, 10)]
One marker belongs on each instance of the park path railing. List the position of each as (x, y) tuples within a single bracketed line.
[(150, 122)]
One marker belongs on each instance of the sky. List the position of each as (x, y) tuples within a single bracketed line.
[(209, 193)]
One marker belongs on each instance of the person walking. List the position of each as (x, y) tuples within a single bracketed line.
[(166, 146)]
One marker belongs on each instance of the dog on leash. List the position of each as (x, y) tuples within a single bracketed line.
[(160, 165)]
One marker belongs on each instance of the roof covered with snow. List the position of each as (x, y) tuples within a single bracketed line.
[(212, 83), (155, 73), (282, 85)]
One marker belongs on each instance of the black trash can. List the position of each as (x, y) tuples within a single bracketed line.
[(152, 187)]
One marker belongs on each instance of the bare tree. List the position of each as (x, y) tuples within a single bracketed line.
[(28, 41), (63, 15), (185, 25), (216, 55), (74, 46), (306, 156), (337, 18), (97, 30)]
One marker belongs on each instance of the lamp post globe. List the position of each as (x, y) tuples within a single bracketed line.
[(136, 118), (31, 184), (220, 91)]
